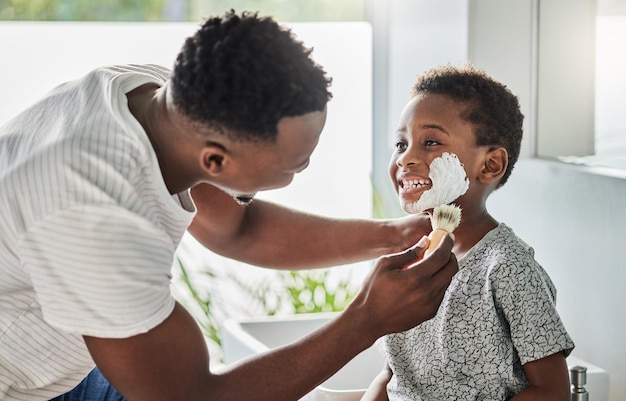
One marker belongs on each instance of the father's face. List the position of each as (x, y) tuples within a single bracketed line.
[(259, 166)]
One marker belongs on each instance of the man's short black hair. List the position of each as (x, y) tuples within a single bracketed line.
[(241, 74)]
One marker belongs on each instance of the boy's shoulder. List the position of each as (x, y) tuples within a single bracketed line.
[(502, 245), (502, 235)]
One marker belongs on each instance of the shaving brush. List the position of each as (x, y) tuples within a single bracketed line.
[(444, 219)]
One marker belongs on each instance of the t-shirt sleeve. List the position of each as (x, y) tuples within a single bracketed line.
[(100, 271), (526, 297)]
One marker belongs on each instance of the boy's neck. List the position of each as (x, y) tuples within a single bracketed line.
[(472, 229)]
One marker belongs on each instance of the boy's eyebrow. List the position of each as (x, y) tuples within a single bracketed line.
[(437, 127)]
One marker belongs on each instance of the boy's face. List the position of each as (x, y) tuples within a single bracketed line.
[(430, 125)]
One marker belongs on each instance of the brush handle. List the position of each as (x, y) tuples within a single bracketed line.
[(435, 238)]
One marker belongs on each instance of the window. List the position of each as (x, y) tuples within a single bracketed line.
[(584, 90), (610, 91), (178, 10), (38, 55), (604, 37)]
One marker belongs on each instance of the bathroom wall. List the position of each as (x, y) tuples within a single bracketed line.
[(574, 217)]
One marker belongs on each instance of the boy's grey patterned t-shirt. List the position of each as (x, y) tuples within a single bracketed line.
[(498, 314)]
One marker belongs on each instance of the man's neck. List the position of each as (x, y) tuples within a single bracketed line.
[(148, 105)]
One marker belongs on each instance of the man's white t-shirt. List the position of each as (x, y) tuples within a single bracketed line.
[(88, 231)]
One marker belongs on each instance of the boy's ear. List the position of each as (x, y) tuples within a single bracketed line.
[(214, 156), (496, 162)]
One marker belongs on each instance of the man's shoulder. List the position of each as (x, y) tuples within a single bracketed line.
[(154, 70)]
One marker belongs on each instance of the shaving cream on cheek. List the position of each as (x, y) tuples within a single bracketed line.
[(448, 180)]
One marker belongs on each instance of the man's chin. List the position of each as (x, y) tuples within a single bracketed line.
[(241, 198)]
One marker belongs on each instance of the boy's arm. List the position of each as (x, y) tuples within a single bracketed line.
[(377, 390), (267, 234), (548, 380)]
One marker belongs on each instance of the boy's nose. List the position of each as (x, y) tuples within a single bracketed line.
[(406, 159)]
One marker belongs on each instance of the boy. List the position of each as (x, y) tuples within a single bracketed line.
[(497, 334)]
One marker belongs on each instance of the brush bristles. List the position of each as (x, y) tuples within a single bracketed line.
[(446, 217)]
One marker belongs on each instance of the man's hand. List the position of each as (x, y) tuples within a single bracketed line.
[(405, 290), (410, 229)]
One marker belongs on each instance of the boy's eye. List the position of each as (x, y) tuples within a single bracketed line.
[(400, 145), (431, 142)]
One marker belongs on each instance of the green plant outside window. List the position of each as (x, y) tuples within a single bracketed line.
[(178, 10)]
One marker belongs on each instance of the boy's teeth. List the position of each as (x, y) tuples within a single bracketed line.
[(413, 183)]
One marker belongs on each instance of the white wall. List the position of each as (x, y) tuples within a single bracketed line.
[(36, 56)]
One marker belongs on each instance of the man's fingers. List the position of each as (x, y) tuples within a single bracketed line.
[(405, 289), (408, 257), (417, 250), (438, 259)]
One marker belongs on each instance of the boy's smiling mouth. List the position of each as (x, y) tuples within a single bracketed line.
[(409, 185), (447, 181)]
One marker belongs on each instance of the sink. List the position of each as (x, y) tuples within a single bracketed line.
[(242, 338)]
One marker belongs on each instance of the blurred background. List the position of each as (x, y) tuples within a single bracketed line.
[(177, 10)]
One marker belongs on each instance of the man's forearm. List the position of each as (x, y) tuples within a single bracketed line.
[(279, 237), (270, 235)]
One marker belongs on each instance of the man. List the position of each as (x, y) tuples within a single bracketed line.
[(100, 179)]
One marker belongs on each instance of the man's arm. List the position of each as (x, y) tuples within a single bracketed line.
[(266, 234), (171, 361)]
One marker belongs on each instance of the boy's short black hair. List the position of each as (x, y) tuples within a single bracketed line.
[(492, 107), (241, 74)]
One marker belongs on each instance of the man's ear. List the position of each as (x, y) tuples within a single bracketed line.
[(495, 164), (214, 156)]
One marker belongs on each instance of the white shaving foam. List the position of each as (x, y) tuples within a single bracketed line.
[(449, 182)]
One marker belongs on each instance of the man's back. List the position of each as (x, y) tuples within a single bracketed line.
[(81, 198)]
